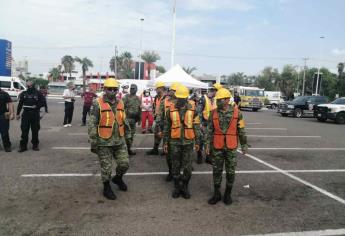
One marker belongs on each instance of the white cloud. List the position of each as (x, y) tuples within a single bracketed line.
[(238, 5), (338, 51)]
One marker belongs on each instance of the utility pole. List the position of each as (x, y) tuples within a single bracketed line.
[(141, 44), (305, 67), (115, 63), (172, 62), (318, 70)]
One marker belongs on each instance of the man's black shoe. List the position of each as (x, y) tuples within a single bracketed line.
[(216, 197), (108, 192), (117, 179), (131, 153), (8, 149), (22, 149), (35, 148), (227, 197), (169, 177)]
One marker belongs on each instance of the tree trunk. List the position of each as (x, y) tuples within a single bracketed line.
[(84, 86)]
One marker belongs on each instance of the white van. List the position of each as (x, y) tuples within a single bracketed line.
[(12, 85), (274, 98)]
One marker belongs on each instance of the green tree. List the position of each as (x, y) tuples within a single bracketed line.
[(189, 70), (55, 73), (287, 81), (85, 65), (267, 79), (150, 57), (161, 69), (67, 62), (341, 79), (235, 79), (124, 64)]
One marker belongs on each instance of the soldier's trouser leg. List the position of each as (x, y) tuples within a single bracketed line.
[(230, 166), (169, 163), (4, 127), (132, 124), (121, 158), (25, 127), (218, 157), (35, 127), (181, 159)]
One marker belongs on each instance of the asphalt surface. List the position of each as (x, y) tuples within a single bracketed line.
[(293, 180)]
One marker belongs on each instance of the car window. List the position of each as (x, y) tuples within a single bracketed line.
[(16, 85), (339, 101), (5, 84)]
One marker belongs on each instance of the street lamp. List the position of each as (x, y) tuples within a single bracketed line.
[(318, 70), (141, 44)]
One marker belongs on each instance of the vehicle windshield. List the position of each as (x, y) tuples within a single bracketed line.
[(254, 93), (300, 99), (339, 101)]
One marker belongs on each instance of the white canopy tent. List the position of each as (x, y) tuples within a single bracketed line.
[(177, 74)]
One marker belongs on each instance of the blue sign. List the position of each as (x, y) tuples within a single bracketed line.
[(5, 57)]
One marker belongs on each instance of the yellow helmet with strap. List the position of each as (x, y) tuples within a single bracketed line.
[(223, 93), (182, 92), (111, 83)]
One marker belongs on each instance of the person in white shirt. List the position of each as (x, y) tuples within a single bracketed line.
[(146, 111), (69, 97)]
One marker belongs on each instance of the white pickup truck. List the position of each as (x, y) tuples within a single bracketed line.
[(12, 85), (332, 111)]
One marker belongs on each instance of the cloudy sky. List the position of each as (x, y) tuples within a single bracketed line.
[(215, 36)]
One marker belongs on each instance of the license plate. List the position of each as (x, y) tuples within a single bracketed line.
[(319, 115)]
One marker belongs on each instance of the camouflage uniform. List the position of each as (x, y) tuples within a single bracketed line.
[(133, 114), (109, 149), (225, 155), (181, 150)]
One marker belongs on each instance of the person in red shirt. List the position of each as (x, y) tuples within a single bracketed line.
[(88, 97)]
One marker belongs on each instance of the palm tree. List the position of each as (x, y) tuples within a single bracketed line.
[(124, 65), (54, 73), (340, 66), (85, 64), (68, 63), (150, 57), (189, 70)]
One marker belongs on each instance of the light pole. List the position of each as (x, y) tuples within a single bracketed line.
[(141, 45), (318, 70), (173, 36)]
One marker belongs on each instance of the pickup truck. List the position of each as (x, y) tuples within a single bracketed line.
[(301, 106), (331, 111)]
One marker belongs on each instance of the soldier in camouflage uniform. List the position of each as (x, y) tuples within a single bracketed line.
[(181, 135), (133, 113), (165, 104), (108, 129), (160, 89), (225, 128)]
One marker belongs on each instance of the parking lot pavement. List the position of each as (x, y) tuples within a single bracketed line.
[(291, 182)]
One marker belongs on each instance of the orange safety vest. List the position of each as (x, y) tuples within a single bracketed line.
[(108, 118), (157, 104), (167, 104), (230, 137), (188, 122), (207, 108)]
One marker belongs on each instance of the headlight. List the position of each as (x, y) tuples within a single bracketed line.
[(291, 106)]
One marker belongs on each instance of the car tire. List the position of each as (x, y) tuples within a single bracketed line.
[(255, 109), (274, 106), (298, 113), (340, 118), (320, 119), (284, 115)]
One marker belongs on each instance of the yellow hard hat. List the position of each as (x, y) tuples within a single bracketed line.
[(175, 85), (159, 84), (111, 83), (217, 86), (182, 92), (223, 93)]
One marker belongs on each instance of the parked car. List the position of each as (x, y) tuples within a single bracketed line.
[(301, 106), (274, 98), (332, 111), (12, 85)]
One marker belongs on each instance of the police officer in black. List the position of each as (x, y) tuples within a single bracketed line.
[(31, 101), (6, 114)]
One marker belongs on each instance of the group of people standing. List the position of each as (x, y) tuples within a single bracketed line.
[(213, 125)]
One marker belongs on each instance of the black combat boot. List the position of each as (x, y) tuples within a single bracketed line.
[(176, 191), (107, 192), (184, 191), (217, 196), (153, 151), (199, 158), (35, 148), (227, 196), (117, 179), (22, 149), (8, 149), (208, 160), (130, 152)]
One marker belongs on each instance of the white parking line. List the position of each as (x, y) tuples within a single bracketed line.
[(194, 173), (326, 232), (267, 128), (284, 172), (253, 123), (281, 136)]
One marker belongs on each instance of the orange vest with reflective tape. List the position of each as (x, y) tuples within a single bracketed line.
[(230, 137), (207, 108), (167, 104), (188, 122), (107, 119)]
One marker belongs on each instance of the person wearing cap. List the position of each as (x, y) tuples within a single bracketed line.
[(181, 136), (69, 97), (164, 106), (160, 90), (225, 127), (146, 111), (108, 133), (133, 113), (31, 102), (124, 91)]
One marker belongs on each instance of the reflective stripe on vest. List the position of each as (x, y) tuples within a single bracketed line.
[(207, 108), (230, 137), (167, 104), (188, 122), (107, 119)]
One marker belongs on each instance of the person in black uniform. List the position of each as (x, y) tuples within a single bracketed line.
[(31, 101), (6, 114)]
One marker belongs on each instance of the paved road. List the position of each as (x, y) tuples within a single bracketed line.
[(293, 180)]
